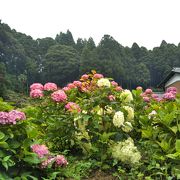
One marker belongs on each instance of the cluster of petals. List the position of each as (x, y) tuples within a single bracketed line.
[(36, 86), (139, 88), (47, 162), (118, 88), (60, 160), (111, 98), (40, 150), (170, 93), (169, 96), (113, 83), (12, 117), (72, 107), (50, 86), (71, 86), (77, 83), (148, 95), (36, 93), (59, 96), (84, 77), (65, 88), (148, 91), (98, 76)]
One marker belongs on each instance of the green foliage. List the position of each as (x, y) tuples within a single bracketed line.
[(159, 135)]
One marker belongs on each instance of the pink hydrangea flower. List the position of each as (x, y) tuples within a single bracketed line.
[(169, 96), (4, 118), (118, 88), (154, 96), (36, 93), (59, 96), (77, 83), (60, 160), (143, 94), (36, 86), (115, 84), (40, 150), (111, 97), (71, 86), (171, 89), (84, 77), (48, 161), (11, 117), (139, 88), (148, 91), (146, 99), (66, 88), (16, 115), (73, 107), (50, 86), (98, 76), (84, 89)]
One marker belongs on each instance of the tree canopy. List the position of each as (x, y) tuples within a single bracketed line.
[(62, 60)]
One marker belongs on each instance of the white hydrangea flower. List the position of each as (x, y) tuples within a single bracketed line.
[(127, 127), (100, 112), (126, 96), (108, 109), (84, 112), (126, 152), (118, 119), (130, 112), (152, 114), (103, 82)]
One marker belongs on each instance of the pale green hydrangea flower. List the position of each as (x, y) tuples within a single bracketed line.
[(126, 96), (118, 119), (130, 112), (127, 127), (126, 152), (103, 82)]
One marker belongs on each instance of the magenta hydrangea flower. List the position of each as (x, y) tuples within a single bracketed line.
[(72, 107), (40, 150), (36, 93), (50, 86), (98, 76), (113, 83), (36, 86), (59, 96), (60, 160), (84, 77)]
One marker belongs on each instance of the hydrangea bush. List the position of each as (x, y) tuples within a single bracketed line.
[(89, 116), (94, 120)]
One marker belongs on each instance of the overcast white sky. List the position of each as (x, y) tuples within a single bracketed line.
[(146, 22)]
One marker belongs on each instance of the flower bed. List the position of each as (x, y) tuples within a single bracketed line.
[(91, 124)]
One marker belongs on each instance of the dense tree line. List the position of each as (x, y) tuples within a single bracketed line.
[(24, 60)]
